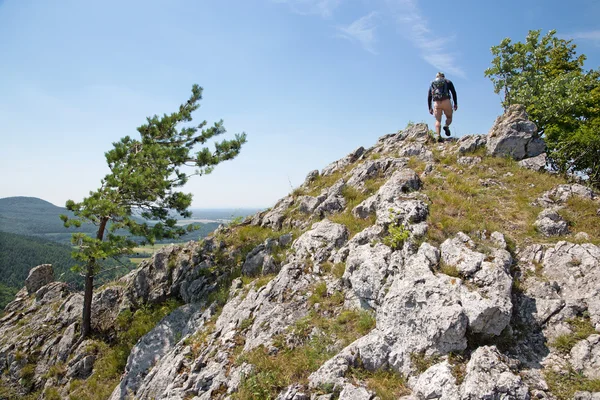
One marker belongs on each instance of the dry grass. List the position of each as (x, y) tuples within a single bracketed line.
[(496, 195)]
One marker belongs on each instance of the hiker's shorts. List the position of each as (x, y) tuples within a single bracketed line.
[(440, 106)]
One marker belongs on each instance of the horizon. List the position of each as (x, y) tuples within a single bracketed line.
[(309, 81)]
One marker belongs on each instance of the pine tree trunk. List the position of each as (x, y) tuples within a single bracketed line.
[(86, 323), (86, 326)]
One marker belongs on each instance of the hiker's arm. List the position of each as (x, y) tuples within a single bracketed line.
[(429, 99), (453, 91)]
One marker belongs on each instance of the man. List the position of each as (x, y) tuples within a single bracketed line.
[(439, 91)]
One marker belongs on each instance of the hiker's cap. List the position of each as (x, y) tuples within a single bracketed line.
[(440, 75)]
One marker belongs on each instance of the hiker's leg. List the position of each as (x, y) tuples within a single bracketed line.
[(447, 107), (437, 113)]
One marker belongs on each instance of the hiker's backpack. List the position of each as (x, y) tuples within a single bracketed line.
[(439, 89)]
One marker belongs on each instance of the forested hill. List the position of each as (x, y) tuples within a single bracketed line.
[(18, 254), (32, 216), (35, 217)]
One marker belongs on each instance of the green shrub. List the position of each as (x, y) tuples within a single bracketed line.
[(396, 236)]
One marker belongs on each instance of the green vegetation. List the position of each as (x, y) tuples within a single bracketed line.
[(495, 195), (145, 176), (386, 383), (422, 362), (396, 236), (566, 383), (21, 253), (112, 358), (581, 328), (547, 77)]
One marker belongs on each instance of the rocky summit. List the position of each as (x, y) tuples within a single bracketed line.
[(408, 270)]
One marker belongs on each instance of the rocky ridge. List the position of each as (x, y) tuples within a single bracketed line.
[(351, 287)]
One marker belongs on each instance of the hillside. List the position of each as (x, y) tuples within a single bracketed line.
[(407, 270), (20, 253), (36, 217)]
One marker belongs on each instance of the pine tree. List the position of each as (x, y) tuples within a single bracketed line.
[(139, 195)]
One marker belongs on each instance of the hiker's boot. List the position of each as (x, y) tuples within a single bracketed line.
[(447, 130)]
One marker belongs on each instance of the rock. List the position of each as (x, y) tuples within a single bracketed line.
[(488, 377), (550, 223), (254, 261), (82, 368), (351, 392), (582, 237), (560, 194), (437, 382), (537, 163), (311, 176), (374, 168), (498, 239), (585, 357), (344, 162), (155, 344), (470, 143), (468, 160), (294, 392), (320, 241), (457, 252), (333, 201), (514, 135), (308, 204), (489, 306), (586, 396), (575, 269), (38, 277), (366, 272), (274, 217)]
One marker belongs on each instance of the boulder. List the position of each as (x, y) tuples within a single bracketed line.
[(537, 163), (489, 377), (38, 277), (470, 143), (559, 195), (550, 223), (437, 382), (514, 135), (585, 357)]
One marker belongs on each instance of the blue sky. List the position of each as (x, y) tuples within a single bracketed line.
[(307, 80)]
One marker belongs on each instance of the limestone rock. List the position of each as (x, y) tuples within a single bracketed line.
[(470, 143), (319, 242), (344, 162), (437, 382), (560, 194), (458, 252), (38, 277), (514, 135), (537, 163), (366, 272), (550, 223), (488, 377), (585, 357)]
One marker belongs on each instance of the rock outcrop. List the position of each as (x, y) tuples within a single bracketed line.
[(353, 277)]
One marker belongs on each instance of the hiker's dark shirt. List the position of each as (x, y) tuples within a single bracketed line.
[(450, 89)]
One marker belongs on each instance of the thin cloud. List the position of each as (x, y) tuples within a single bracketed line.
[(433, 49), (586, 35), (323, 8), (362, 30)]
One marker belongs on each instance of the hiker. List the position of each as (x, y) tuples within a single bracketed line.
[(439, 92)]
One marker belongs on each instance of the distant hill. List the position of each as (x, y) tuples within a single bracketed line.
[(36, 217), (32, 216)]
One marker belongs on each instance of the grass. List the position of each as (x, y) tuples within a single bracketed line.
[(111, 360), (450, 270), (353, 224), (386, 383), (565, 384), (581, 328), (421, 362), (459, 202)]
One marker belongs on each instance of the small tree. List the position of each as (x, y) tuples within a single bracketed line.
[(142, 185), (547, 77)]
